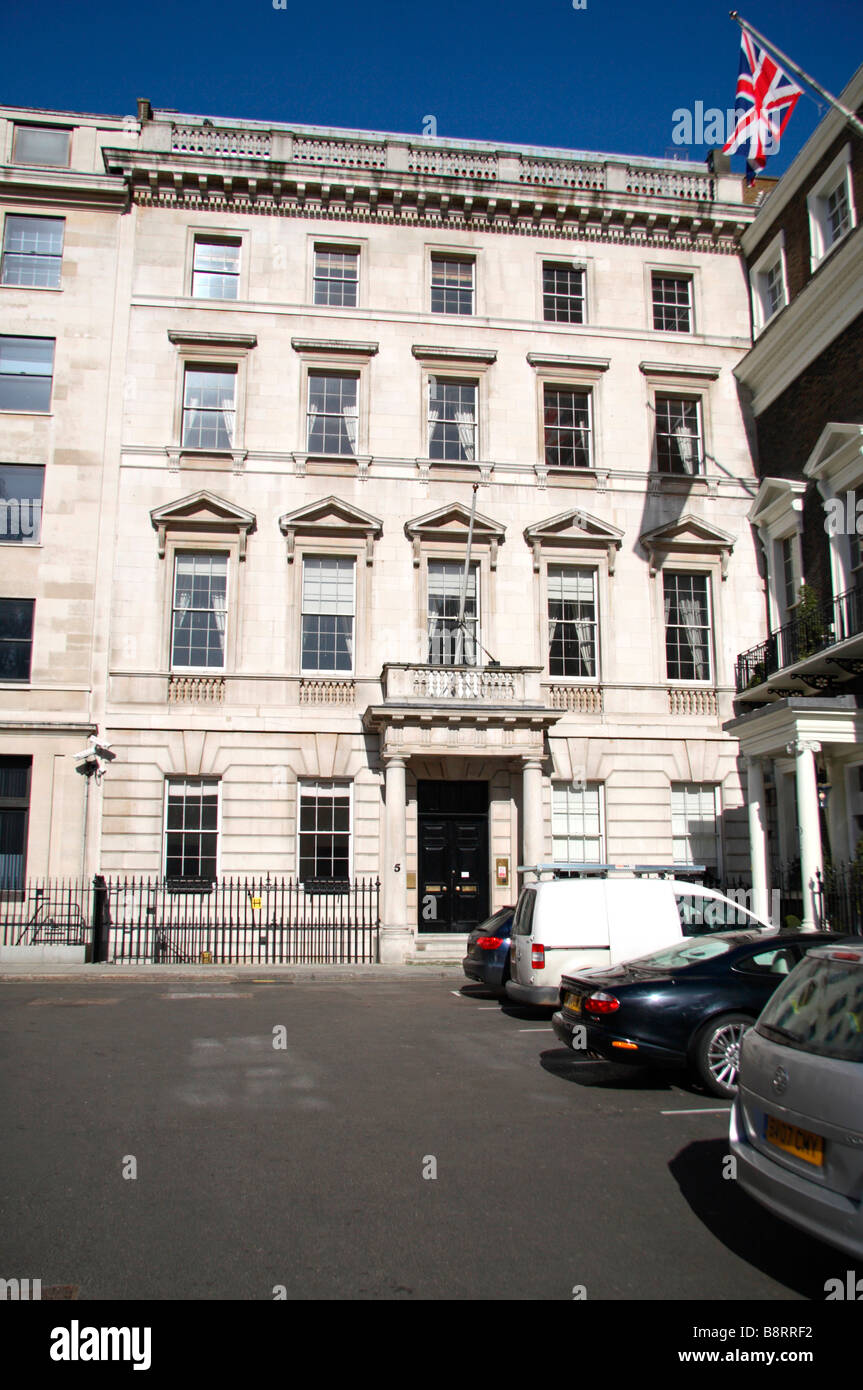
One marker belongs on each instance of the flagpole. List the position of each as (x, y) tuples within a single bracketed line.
[(804, 76)]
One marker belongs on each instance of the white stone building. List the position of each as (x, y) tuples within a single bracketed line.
[(295, 358)]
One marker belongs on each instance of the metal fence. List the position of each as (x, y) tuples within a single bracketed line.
[(839, 893), (234, 921), (47, 912), (238, 921)]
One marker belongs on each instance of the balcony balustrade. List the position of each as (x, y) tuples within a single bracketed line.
[(809, 634)]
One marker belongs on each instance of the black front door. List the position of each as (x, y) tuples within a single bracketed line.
[(453, 855)]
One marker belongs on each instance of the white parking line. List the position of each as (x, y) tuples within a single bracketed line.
[(536, 1030), (719, 1110)]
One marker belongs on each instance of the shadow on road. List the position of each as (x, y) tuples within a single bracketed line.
[(612, 1076), (792, 1258)]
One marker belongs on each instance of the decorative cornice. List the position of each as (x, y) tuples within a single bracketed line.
[(574, 529), (429, 353), (63, 188), (667, 369), (194, 338), (202, 512), (555, 361), (332, 517), (687, 533), (450, 523), (331, 346)]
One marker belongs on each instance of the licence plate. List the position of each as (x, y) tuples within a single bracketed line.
[(799, 1142), (573, 1003)]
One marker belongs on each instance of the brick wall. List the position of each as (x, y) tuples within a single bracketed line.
[(830, 388), (794, 219)]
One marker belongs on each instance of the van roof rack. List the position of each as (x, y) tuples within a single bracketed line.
[(635, 870)]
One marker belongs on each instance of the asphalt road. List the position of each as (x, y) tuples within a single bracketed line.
[(303, 1166)]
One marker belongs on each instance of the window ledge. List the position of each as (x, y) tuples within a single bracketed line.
[(42, 289)]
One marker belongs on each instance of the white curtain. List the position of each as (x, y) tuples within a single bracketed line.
[(687, 447), (466, 427), (689, 612), (349, 415), (584, 632)]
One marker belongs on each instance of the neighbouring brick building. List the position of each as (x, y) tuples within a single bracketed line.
[(799, 692), (286, 363)]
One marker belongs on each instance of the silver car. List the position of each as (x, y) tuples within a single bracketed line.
[(797, 1120)]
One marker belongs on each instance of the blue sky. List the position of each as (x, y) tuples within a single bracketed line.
[(607, 77)]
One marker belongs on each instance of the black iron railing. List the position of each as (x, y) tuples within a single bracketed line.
[(232, 921), (237, 921), (47, 912), (822, 626)]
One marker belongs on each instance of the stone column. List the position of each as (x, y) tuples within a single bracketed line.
[(757, 835), (395, 936), (531, 805), (810, 827)]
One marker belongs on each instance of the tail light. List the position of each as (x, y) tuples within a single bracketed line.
[(601, 1003), (489, 943), (537, 957)]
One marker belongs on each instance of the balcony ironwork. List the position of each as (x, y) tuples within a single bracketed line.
[(821, 627)]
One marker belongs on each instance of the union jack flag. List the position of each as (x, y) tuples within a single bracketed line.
[(764, 91)]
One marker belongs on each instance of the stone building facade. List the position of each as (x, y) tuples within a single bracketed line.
[(313, 363)]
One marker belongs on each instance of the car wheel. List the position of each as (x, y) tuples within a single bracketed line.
[(716, 1054)]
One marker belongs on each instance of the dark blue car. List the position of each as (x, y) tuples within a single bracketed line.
[(487, 959), (687, 1006)]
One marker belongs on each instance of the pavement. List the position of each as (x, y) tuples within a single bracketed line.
[(284, 974)]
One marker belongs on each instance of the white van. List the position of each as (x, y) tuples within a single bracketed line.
[(565, 925)]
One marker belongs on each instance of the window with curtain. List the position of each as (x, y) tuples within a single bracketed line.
[(566, 424), (687, 626), (328, 613), (332, 413), (32, 251), (577, 826), (325, 831), (678, 435), (695, 823), (192, 828), (209, 408), (200, 611), (572, 626), (452, 419), (448, 644)]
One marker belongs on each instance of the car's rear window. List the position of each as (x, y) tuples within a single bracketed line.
[(700, 914), (819, 1009), (689, 953), (524, 914)]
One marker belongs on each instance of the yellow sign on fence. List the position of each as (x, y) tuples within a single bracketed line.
[(256, 904)]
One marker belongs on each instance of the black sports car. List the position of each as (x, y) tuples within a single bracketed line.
[(686, 1006)]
